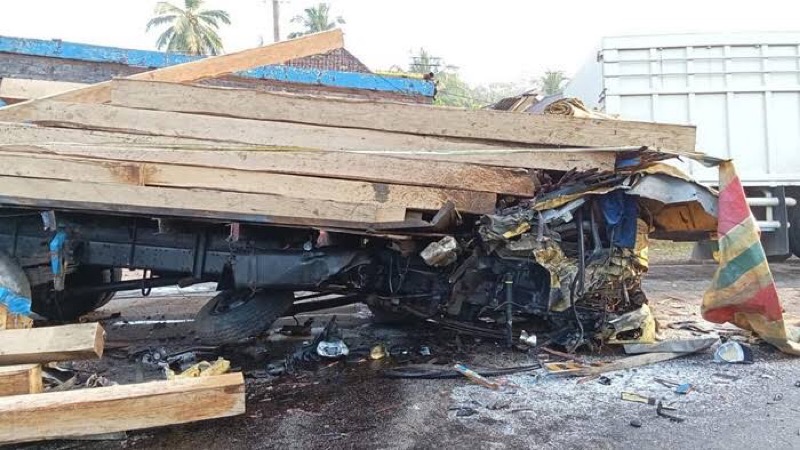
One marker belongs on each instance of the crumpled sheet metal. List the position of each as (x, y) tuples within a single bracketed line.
[(680, 207), (743, 291), (680, 210), (441, 253), (562, 272), (638, 319)]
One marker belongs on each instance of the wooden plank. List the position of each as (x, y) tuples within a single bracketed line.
[(298, 136), (629, 362), (200, 203), (23, 89), (414, 119), (169, 175), (20, 379), (13, 321), (353, 166), (48, 344), (222, 129), (54, 415), (277, 53)]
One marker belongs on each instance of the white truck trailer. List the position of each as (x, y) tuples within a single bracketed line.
[(742, 90)]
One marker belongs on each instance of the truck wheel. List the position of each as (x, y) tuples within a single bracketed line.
[(72, 307), (12, 277), (235, 315), (794, 230)]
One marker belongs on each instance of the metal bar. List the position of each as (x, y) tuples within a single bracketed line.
[(200, 254), (581, 250), (300, 308), (509, 285), (132, 254), (769, 201), (129, 285)]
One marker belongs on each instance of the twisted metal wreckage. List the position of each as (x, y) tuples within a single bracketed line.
[(566, 264)]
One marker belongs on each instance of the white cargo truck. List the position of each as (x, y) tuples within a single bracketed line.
[(741, 90)]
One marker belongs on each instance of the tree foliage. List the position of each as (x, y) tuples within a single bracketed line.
[(191, 30), (315, 20), (552, 82), (452, 90)]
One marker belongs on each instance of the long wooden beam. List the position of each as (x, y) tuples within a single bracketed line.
[(277, 53), (414, 119), (300, 137), (199, 203), (352, 166), (26, 89), (132, 172), (48, 344), (54, 415), (20, 379)]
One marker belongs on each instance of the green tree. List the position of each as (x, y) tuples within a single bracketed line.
[(452, 90), (552, 82), (315, 19), (191, 30)]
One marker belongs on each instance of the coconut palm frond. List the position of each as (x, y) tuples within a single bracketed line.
[(160, 20), (215, 14)]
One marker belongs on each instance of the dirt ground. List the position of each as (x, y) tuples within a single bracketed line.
[(348, 405)]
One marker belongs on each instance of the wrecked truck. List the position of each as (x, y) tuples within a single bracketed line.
[(566, 264)]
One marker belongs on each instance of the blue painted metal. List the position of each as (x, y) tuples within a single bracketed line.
[(56, 247), (155, 60), (2, 103), (15, 303)]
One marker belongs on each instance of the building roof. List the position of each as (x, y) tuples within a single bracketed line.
[(337, 69)]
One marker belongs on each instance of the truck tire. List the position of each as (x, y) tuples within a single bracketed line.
[(72, 307), (794, 230), (12, 276), (239, 314)]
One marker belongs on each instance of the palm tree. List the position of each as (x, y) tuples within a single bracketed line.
[(192, 30), (552, 82), (315, 19)]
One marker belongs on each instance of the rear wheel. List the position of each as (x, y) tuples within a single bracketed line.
[(47, 304), (235, 315)]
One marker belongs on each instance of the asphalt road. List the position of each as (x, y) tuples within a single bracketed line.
[(349, 406)]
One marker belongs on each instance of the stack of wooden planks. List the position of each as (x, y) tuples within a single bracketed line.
[(29, 414), (155, 144)]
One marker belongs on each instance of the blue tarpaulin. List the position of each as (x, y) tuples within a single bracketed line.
[(620, 212)]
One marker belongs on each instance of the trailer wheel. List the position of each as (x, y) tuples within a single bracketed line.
[(72, 307), (236, 315)]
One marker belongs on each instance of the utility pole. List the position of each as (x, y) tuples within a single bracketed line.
[(276, 17)]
